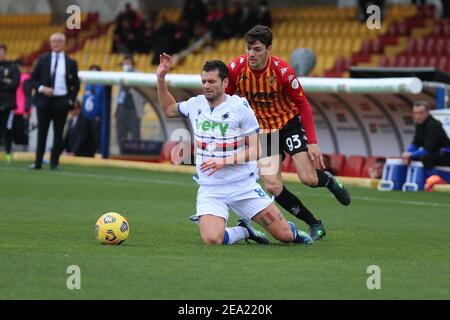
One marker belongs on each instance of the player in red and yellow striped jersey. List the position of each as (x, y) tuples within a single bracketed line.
[(284, 115)]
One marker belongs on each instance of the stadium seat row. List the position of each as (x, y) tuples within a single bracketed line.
[(351, 166), (343, 28), (25, 19), (441, 62)]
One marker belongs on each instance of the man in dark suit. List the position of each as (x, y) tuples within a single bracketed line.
[(55, 79), (79, 139)]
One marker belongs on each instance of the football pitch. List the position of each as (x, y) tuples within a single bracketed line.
[(47, 224)]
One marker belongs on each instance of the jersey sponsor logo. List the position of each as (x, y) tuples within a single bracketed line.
[(260, 96), (211, 125)]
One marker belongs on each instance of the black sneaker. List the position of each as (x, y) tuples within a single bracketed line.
[(339, 191), (254, 234), (317, 231), (35, 166)]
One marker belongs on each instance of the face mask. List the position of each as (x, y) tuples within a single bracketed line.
[(127, 68)]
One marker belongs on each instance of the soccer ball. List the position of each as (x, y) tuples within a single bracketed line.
[(112, 228)]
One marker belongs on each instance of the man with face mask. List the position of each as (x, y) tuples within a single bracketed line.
[(130, 108)]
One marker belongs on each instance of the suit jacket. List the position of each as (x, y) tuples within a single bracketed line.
[(41, 75), (79, 138)]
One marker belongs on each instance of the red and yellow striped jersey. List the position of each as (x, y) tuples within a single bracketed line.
[(274, 93)]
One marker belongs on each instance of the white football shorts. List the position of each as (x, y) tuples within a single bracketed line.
[(246, 198)]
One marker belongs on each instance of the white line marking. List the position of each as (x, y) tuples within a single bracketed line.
[(179, 183)]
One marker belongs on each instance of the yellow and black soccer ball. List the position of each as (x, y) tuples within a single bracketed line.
[(112, 228)]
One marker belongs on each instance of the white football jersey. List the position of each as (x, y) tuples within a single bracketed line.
[(220, 132)]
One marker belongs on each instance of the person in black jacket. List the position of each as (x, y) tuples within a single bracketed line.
[(55, 79), (431, 145), (9, 82), (79, 139)]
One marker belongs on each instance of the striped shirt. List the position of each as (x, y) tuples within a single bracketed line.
[(274, 94), (220, 132)]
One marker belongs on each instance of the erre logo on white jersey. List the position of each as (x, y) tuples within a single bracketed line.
[(220, 132)]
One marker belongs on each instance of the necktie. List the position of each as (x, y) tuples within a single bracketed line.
[(54, 71)]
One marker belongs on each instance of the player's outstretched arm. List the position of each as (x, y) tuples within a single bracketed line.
[(166, 99)]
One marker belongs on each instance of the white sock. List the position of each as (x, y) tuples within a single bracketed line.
[(235, 234)]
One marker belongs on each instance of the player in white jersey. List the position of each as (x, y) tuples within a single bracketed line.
[(226, 135)]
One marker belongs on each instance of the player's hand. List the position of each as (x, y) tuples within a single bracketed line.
[(406, 157), (316, 156), (48, 91), (165, 62), (212, 165)]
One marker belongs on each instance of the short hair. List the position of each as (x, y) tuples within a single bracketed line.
[(95, 66), (422, 103), (261, 33), (216, 65), (60, 34), (3, 46), (128, 57)]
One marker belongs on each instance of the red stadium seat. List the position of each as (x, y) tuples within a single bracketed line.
[(429, 45), (411, 61), (442, 63), (432, 61), (384, 61), (411, 46), (423, 61), (401, 61), (337, 163), (353, 166), (447, 46)]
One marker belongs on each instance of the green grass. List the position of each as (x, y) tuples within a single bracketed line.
[(47, 223)]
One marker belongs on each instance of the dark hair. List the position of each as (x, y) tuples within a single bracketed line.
[(422, 103), (128, 57), (95, 66), (3, 46), (261, 33), (217, 65)]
